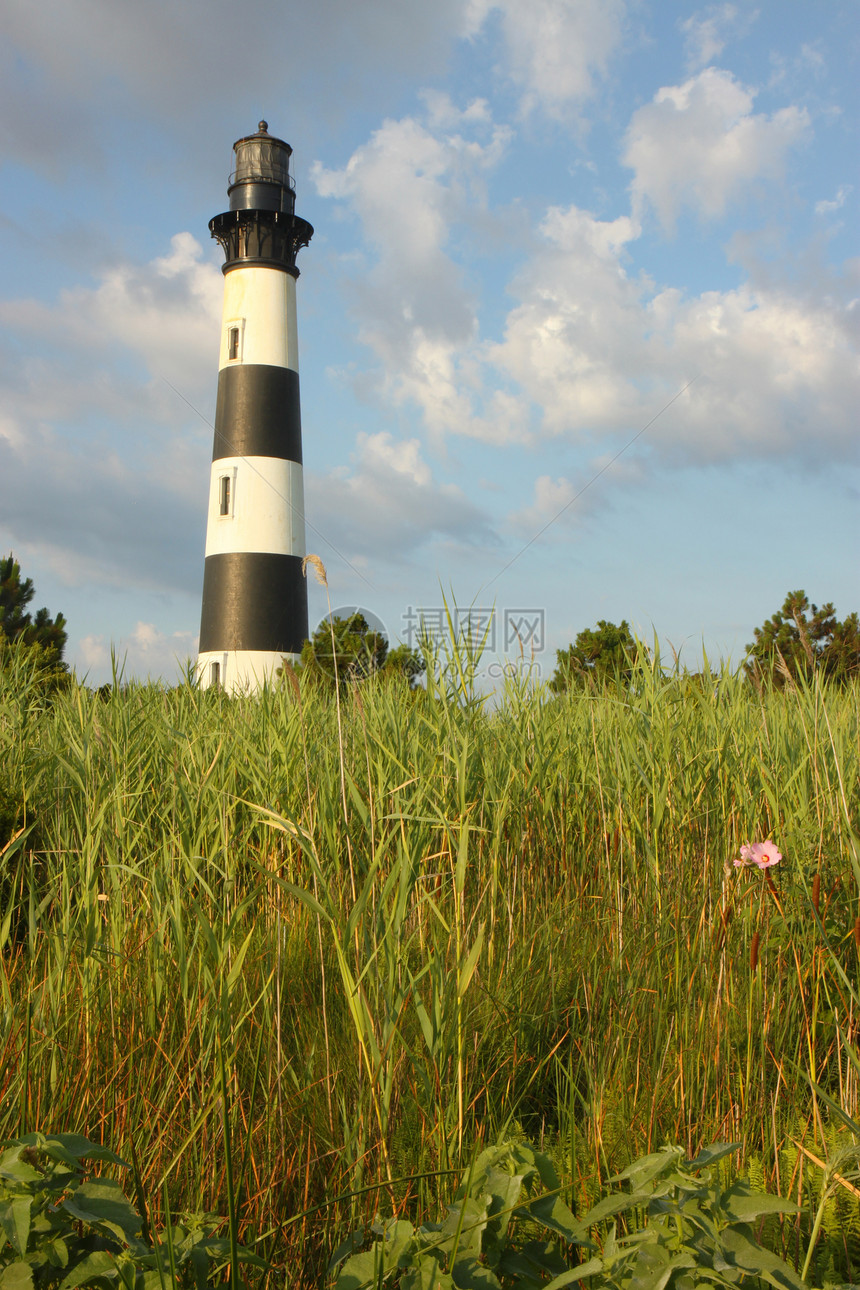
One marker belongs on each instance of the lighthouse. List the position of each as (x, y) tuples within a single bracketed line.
[(255, 607)]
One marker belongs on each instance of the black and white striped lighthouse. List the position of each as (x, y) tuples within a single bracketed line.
[(255, 607)]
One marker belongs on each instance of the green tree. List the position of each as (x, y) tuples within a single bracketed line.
[(353, 649), (44, 634), (403, 661), (31, 669), (599, 655), (802, 639)]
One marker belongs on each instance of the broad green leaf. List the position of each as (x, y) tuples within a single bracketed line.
[(57, 1252), (727, 1270), (677, 1181), (17, 1170), (589, 1269), (652, 1254), (647, 1168), (472, 1275), (126, 1272), (465, 1224), (710, 1155), (744, 1252), (16, 1276), (542, 1163), (70, 1148), (609, 1206), (653, 1271), (349, 1246), (557, 1216), (361, 1270), (15, 1221), (504, 1191), (518, 1265), (101, 1202), (426, 1276), (545, 1257), (398, 1237), (740, 1205), (216, 1248), (200, 1266), (156, 1280), (98, 1264)]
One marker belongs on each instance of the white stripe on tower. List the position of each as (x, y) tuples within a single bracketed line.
[(255, 611)]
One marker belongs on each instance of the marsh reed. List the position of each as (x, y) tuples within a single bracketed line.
[(300, 974)]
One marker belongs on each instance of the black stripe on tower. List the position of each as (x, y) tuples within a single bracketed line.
[(253, 600), (258, 413)]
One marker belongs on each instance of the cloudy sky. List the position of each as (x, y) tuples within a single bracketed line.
[(578, 324)]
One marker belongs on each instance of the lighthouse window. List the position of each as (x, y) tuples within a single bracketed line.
[(224, 494), (233, 344), (215, 674)]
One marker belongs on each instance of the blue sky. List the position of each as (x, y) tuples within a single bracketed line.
[(535, 226)]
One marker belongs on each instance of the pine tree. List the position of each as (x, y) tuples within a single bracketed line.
[(358, 652), (48, 633), (802, 639), (600, 655)]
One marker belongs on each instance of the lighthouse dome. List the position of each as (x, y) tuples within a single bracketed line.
[(262, 179)]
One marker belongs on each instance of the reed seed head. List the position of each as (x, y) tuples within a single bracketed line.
[(318, 567), (289, 674)]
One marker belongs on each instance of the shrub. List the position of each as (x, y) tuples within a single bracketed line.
[(59, 1228)]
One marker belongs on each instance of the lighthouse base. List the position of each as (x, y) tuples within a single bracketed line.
[(240, 671)]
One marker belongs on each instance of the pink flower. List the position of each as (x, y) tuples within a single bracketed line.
[(760, 854)]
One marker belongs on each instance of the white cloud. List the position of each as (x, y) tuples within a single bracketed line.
[(387, 503), (578, 328), (62, 61), (778, 376), (811, 56), (598, 353), (381, 454), (554, 47), (561, 502), (408, 185), (145, 652), (550, 502), (443, 114), (107, 520), (707, 32), (827, 208), (590, 351), (173, 61), (164, 314), (102, 462), (700, 145), (794, 73)]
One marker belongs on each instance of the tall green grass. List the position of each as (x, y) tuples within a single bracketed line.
[(297, 998)]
